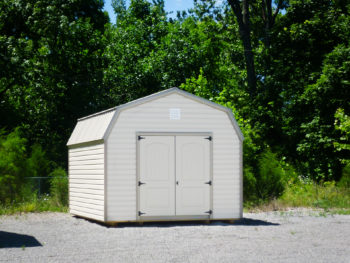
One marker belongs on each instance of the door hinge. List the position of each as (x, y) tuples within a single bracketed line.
[(140, 213), (140, 137), (208, 183), (208, 138), (209, 212), (140, 183)]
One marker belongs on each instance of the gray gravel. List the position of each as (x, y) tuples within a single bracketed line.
[(296, 236)]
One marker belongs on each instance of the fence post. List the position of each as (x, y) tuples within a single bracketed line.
[(39, 186)]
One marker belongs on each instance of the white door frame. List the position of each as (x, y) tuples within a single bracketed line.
[(189, 217)]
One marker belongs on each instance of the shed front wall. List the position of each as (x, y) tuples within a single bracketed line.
[(86, 181), (153, 116)]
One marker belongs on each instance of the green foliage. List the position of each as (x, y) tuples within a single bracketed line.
[(146, 53), (51, 67), (345, 179), (323, 99), (198, 86), (37, 164), (12, 166), (16, 164), (272, 179), (342, 124), (306, 72), (33, 203), (249, 185), (59, 187), (60, 61), (309, 194)]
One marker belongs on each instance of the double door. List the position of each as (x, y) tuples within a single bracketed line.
[(174, 175)]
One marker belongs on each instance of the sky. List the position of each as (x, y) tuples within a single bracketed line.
[(170, 5)]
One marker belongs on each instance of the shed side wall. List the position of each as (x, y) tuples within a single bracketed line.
[(86, 181), (154, 117)]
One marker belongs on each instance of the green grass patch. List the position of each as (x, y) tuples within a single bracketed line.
[(329, 197), (36, 204), (326, 196)]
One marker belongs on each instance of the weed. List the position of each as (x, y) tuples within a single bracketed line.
[(328, 197), (35, 204)]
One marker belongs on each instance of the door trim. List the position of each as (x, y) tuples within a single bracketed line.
[(140, 133)]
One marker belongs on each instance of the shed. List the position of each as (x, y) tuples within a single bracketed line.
[(167, 156)]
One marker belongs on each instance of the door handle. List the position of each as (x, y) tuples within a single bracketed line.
[(208, 183), (140, 183)]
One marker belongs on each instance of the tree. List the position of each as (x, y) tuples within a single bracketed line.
[(323, 98), (306, 83), (148, 53), (52, 67), (242, 16)]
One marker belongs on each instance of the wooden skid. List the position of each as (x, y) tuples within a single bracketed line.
[(141, 222)]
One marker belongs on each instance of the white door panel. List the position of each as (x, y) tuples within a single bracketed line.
[(157, 176), (192, 174)]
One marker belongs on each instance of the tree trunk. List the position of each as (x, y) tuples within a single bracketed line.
[(242, 16)]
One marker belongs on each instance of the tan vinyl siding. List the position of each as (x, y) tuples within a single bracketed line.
[(153, 116), (86, 181)]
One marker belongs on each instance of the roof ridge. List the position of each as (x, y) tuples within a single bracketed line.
[(132, 101), (97, 113)]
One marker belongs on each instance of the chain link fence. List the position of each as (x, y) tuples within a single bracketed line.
[(39, 184)]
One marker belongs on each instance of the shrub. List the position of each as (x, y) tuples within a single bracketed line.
[(345, 179), (12, 166), (16, 163), (249, 184), (37, 163), (59, 187), (271, 180)]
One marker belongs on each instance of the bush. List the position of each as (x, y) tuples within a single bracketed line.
[(59, 187), (345, 179), (12, 166), (271, 180), (16, 163), (249, 185), (37, 163)]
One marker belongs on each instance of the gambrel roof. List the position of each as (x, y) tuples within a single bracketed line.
[(96, 127)]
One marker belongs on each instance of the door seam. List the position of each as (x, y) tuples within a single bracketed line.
[(175, 177)]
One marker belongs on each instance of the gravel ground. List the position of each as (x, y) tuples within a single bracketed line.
[(295, 236)]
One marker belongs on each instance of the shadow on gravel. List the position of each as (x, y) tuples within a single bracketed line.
[(165, 224), (11, 240), (254, 222)]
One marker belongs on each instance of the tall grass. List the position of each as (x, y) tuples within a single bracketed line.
[(56, 201), (327, 196), (33, 204)]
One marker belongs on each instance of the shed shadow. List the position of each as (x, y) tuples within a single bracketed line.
[(169, 224), (13, 240), (254, 222)]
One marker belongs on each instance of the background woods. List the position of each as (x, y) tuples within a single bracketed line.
[(282, 66)]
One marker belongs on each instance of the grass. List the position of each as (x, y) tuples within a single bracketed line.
[(326, 197), (36, 204)]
